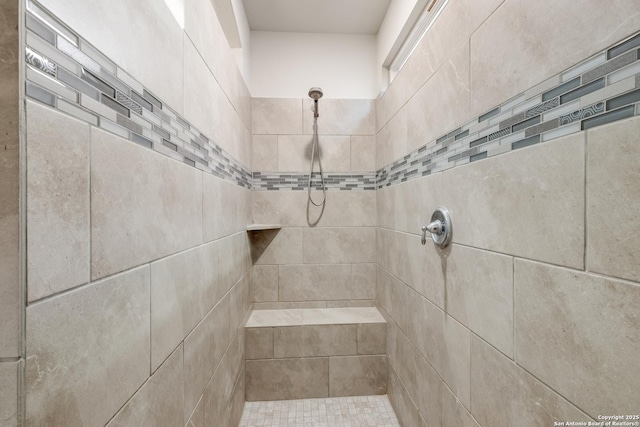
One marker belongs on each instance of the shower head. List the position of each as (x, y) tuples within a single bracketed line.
[(315, 93)]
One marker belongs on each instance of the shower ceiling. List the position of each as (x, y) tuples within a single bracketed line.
[(316, 16)]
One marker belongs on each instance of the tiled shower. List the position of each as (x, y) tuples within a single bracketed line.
[(134, 158)]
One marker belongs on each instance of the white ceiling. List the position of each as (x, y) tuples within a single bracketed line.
[(316, 16)]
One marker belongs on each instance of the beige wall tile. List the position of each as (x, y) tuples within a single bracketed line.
[(237, 401), (10, 103), (372, 338), (544, 184), (451, 30), (118, 27), (357, 375), (204, 30), (420, 266), (556, 314), (139, 214), (57, 201), (454, 414), (203, 351), (277, 247), (309, 341), (219, 392), (258, 343), (264, 157), (9, 393), (240, 304), (391, 141), (184, 287), (523, 400), (197, 417), (213, 114), (271, 116), (292, 209), (219, 207), (341, 117), (480, 294), (402, 402), (363, 285), (556, 38), (421, 381), (352, 303), (442, 103), (335, 245), (363, 153), (280, 379), (264, 283), (314, 282), (386, 206), (97, 334), (159, 400), (279, 305), (415, 201), (612, 177), (294, 153)]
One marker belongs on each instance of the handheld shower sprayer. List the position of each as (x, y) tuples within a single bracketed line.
[(315, 93)]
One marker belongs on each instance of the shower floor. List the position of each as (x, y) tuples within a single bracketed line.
[(356, 411)]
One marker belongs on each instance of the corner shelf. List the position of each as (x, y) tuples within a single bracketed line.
[(261, 227)]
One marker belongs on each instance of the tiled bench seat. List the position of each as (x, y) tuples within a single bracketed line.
[(316, 352)]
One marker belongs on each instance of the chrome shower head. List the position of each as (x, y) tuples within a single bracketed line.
[(315, 93)]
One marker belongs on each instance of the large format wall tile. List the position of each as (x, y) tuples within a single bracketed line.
[(341, 117), (357, 375), (280, 379), (527, 203), (213, 114), (337, 245), (613, 197), (277, 247), (556, 36), (264, 153), (220, 201), (442, 103), (159, 401), (139, 214), (314, 340), (203, 29), (203, 351), (363, 153), (9, 393), (314, 282), (451, 29), (480, 294), (402, 402), (505, 395), (292, 209), (88, 351), (294, 153), (420, 379), (57, 201), (112, 26), (271, 116), (454, 414), (580, 334)]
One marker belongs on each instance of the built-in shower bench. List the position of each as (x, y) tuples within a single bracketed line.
[(315, 352)]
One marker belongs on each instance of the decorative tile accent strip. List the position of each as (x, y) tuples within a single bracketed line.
[(82, 82), (296, 181), (594, 92)]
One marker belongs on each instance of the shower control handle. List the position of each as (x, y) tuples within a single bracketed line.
[(440, 228), (436, 227)]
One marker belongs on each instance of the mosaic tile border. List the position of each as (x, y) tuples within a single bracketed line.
[(600, 90), (295, 182), (66, 72)]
